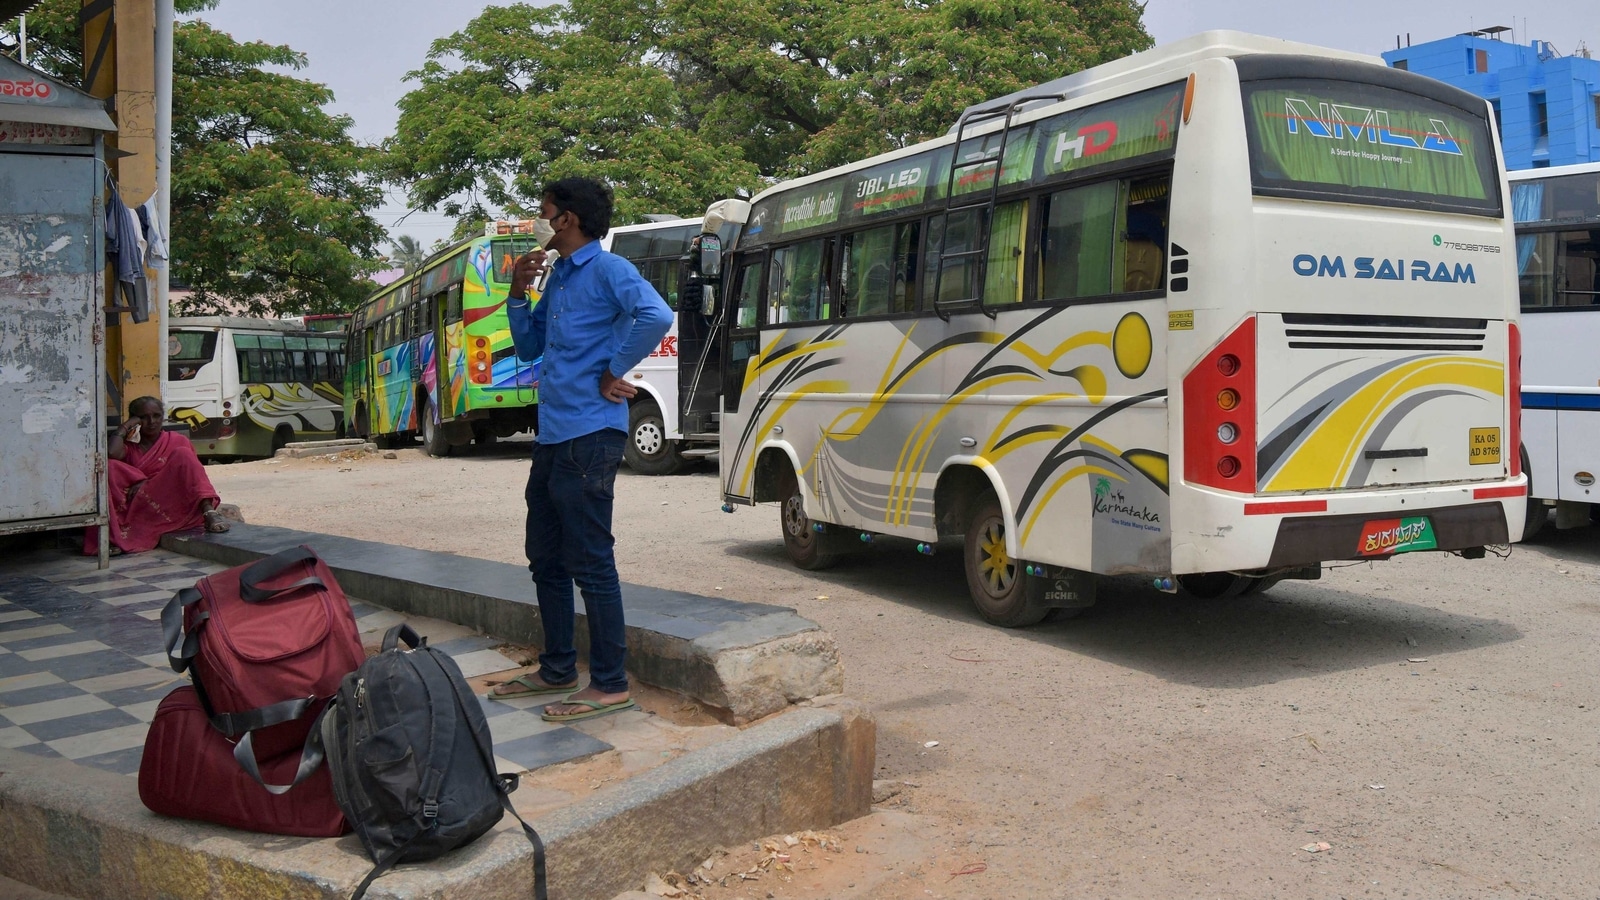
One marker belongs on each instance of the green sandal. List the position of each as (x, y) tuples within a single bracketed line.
[(534, 688), (595, 709)]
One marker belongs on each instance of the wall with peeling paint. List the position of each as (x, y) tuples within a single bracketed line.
[(52, 430)]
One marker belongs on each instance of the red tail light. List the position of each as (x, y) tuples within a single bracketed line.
[(1513, 447), (1219, 414)]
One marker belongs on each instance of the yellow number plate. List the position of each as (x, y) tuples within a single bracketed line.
[(1483, 446), (1180, 320)]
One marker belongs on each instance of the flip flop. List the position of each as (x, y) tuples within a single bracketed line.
[(534, 688), (595, 709)]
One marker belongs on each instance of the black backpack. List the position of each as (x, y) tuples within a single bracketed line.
[(412, 763)]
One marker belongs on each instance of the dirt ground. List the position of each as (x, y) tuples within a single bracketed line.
[(1431, 720)]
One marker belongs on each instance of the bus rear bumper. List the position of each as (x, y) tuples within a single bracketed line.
[(1307, 530)]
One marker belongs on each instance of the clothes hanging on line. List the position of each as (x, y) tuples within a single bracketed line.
[(125, 250), (155, 236)]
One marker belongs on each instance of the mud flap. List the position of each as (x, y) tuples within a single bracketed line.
[(1061, 589)]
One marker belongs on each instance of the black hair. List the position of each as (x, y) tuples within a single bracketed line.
[(586, 198), (141, 401)]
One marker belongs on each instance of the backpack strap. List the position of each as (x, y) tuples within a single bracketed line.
[(250, 589), (505, 783)]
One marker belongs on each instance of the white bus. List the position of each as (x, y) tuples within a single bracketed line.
[(247, 387), (1557, 211), (657, 442), (1212, 314)]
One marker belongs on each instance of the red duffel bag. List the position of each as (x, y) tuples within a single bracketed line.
[(188, 771), (266, 645)]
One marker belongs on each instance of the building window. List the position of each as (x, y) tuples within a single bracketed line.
[(1402, 64), (1596, 99), (1541, 115), (1482, 61), (1499, 130)]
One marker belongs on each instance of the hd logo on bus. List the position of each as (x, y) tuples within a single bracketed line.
[(1334, 121), (1309, 266)]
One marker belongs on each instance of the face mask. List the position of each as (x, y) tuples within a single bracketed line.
[(543, 232)]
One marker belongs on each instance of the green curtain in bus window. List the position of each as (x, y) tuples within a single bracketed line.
[(867, 271), (248, 361), (798, 289), (749, 295), (904, 299), (1075, 253), (669, 282), (1002, 280), (1141, 236)]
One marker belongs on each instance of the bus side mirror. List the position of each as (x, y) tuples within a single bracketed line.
[(705, 254)]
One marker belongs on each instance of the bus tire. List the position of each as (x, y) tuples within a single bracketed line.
[(1537, 514), (1215, 585), (996, 582), (808, 548), (281, 436), (433, 439), (648, 450)]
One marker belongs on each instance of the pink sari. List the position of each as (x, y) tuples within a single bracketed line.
[(171, 482)]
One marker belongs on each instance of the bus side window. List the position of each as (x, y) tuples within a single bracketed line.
[(452, 305), (957, 282), (877, 270), (747, 288), (1075, 248), (1142, 236), (798, 290)]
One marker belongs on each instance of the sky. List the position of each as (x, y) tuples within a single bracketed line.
[(362, 49)]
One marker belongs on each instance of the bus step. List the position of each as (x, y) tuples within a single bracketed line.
[(700, 454)]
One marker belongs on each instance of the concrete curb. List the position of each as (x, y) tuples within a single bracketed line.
[(745, 660), (303, 449), (82, 832)]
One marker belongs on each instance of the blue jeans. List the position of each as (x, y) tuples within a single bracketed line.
[(570, 489)]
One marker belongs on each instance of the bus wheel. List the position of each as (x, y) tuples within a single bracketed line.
[(1538, 514), (1260, 584), (433, 439), (808, 548), (281, 436), (648, 450), (1215, 585), (483, 435), (996, 582)]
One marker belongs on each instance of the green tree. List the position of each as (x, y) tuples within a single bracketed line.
[(408, 253), (271, 198), (676, 102)]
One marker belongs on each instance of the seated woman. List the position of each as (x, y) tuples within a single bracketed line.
[(158, 484)]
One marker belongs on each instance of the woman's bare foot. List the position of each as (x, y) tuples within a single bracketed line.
[(215, 523)]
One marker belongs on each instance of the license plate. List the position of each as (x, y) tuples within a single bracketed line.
[(1381, 537), (1483, 446)]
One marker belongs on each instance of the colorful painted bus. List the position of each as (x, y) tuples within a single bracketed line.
[(247, 387), (1558, 266), (457, 301), (431, 354), (1212, 315)]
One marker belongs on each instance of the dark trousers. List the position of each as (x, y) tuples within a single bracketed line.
[(570, 490)]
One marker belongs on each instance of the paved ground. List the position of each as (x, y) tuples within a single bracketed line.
[(1432, 719)]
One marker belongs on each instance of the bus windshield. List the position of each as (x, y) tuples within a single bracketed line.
[(1353, 142)]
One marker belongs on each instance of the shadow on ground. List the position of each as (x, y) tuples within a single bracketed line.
[(1296, 630)]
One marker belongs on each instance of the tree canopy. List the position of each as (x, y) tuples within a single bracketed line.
[(271, 198), (678, 102)]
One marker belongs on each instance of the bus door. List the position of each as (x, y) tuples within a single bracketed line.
[(452, 351), (746, 303), (699, 362)]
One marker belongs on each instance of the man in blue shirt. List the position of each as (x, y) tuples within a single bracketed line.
[(595, 321)]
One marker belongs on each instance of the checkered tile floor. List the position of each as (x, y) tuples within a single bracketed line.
[(82, 668)]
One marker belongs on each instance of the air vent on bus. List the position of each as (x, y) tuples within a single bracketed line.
[(1323, 331)]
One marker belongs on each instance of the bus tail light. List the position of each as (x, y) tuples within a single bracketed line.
[(1219, 414), (1513, 447)]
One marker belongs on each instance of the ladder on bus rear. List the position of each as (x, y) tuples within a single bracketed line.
[(982, 201)]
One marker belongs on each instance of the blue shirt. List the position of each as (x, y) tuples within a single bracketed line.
[(597, 314)]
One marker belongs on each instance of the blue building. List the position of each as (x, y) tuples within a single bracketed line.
[(1547, 106)]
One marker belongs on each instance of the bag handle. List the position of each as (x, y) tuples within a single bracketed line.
[(402, 632), (311, 756), (181, 647), (250, 589)]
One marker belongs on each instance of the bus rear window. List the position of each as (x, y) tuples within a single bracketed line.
[(1349, 142), (187, 351)]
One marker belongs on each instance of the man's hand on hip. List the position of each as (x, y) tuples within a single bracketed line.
[(615, 389)]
